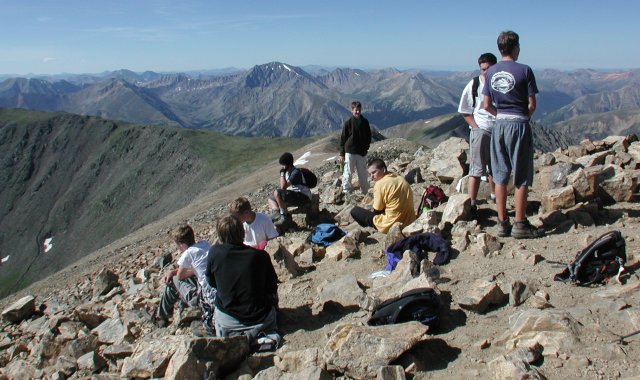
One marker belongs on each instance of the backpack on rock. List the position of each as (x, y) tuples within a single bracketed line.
[(598, 262), (325, 234), (421, 304), (432, 197)]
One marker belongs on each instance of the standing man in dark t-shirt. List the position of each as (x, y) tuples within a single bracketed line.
[(354, 145), (510, 94)]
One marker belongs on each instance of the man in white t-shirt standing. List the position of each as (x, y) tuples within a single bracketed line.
[(481, 126), (258, 227), (188, 282)]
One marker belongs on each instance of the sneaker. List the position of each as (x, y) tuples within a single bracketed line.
[(266, 342), (524, 230), (276, 216), (158, 321), (503, 228)]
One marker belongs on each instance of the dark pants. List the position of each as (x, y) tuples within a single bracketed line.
[(363, 217), (293, 198)]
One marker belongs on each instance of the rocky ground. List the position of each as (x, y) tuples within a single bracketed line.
[(503, 315)]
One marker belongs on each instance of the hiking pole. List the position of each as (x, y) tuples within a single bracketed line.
[(622, 338)]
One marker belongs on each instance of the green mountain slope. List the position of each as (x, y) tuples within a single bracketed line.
[(86, 181)]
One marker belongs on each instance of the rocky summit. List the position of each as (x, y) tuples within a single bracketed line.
[(502, 315)]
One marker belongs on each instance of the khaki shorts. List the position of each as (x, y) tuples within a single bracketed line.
[(479, 152)]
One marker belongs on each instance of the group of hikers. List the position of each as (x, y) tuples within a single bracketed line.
[(234, 281)]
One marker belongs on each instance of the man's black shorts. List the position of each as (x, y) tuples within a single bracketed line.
[(293, 198)]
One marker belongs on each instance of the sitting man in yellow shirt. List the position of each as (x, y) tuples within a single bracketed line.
[(392, 200)]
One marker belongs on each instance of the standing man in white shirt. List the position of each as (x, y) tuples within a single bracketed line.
[(481, 126)]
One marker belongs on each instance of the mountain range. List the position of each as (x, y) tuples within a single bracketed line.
[(278, 99), (138, 146)]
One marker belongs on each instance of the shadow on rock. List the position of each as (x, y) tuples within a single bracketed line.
[(429, 355), (302, 318), (448, 319)]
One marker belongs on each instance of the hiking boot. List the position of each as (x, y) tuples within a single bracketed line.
[(503, 228), (473, 212), (524, 230)]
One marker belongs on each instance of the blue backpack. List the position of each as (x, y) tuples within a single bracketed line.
[(326, 234)]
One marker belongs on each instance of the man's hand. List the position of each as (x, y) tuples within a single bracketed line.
[(341, 158), (169, 276)]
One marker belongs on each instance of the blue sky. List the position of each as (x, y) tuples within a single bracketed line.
[(69, 36)]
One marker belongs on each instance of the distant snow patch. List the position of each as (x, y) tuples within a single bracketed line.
[(48, 244), (357, 74), (303, 159), (4, 259), (287, 67), (331, 158), (427, 122)]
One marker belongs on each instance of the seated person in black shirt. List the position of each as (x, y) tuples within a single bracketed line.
[(247, 286)]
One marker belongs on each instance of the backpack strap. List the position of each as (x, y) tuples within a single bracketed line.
[(474, 89), (304, 180)]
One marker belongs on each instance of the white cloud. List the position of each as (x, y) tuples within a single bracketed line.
[(48, 59)]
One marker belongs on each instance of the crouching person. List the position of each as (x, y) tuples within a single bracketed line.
[(392, 200), (246, 285), (188, 283)]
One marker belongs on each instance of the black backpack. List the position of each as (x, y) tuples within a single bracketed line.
[(597, 262), (308, 178), (421, 304)]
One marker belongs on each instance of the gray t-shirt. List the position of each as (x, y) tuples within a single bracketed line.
[(510, 84)]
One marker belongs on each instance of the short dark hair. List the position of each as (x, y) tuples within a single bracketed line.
[(230, 230), (507, 42), (183, 234), (487, 58), (356, 104), (239, 205), (286, 159), (378, 163)]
